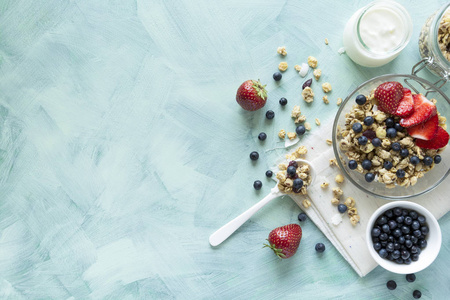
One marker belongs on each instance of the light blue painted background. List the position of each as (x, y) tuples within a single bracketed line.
[(122, 149)]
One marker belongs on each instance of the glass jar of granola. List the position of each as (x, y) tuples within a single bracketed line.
[(434, 42)]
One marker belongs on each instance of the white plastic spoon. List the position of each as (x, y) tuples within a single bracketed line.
[(226, 230)]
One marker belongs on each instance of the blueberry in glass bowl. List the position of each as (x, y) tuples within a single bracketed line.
[(374, 141)]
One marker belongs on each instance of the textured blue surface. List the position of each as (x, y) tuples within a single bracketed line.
[(122, 149)]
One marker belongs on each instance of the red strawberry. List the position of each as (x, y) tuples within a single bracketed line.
[(251, 95), (425, 130), (424, 109), (284, 240), (406, 105), (438, 141), (389, 95)]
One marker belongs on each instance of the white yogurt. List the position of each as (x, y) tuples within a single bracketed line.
[(376, 33)]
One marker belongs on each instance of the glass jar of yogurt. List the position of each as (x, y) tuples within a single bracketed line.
[(434, 42), (377, 33)]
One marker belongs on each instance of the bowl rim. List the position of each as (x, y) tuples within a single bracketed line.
[(398, 268), (335, 146)]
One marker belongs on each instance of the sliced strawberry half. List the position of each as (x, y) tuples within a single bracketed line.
[(439, 140), (424, 109), (426, 130), (406, 105)]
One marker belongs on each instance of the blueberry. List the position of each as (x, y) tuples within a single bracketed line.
[(383, 243), (382, 220), (437, 159), (376, 142), (388, 165), (404, 152), (277, 76), (405, 229), (257, 184), (298, 183), (405, 254), (361, 99), (401, 239), (300, 130), (391, 132), (392, 224), (405, 212), (377, 246), (366, 164), (389, 213), (385, 228), (302, 217), (400, 173), (389, 257), (397, 232), (291, 170), (407, 261), (376, 232), (383, 236), (391, 285), (342, 208), (396, 254), (427, 161), (369, 177), (389, 122), (362, 140), (320, 247), (407, 237), (415, 225), (368, 120), (408, 243), (408, 220), (414, 160), (422, 243), (269, 173), (390, 238), (283, 101), (390, 247), (414, 239), (262, 136), (397, 211), (417, 233), (383, 253), (415, 257), (357, 127), (413, 249), (270, 114), (425, 230), (398, 127), (352, 164), (417, 294), (254, 155), (396, 246), (399, 260), (400, 219), (396, 146), (413, 215), (421, 220)]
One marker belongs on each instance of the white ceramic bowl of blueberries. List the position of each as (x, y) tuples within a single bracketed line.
[(403, 237)]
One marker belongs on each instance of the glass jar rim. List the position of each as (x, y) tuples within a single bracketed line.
[(403, 14), (434, 29)]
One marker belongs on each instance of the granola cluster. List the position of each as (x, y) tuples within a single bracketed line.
[(444, 35), (379, 155), (287, 178)]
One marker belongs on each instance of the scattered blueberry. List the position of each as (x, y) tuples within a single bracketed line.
[(342, 208), (404, 152), (277, 76), (383, 253), (417, 294), (298, 183), (437, 159), (388, 165), (389, 122), (398, 127), (425, 230), (361, 99), (302, 217), (414, 160), (357, 127), (369, 177), (377, 246), (352, 164), (421, 220), (257, 184), (427, 161), (300, 130), (307, 83), (283, 101), (396, 146), (422, 243), (382, 220), (291, 170), (376, 142), (254, 155), (391, 284), (366, 164), (400, 173), (362, 140), (320, 247), (376, 232), (270, 114), (368, 120), (262, 136), (269, 173), (391, 132)]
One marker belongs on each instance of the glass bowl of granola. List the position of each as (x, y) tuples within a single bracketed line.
[(387, 155)]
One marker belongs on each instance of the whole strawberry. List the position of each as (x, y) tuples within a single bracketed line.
[(284, 240), (251, 95), (388, 95)]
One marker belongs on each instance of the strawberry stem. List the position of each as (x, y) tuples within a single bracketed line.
[(260, 89), (278, 252)]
